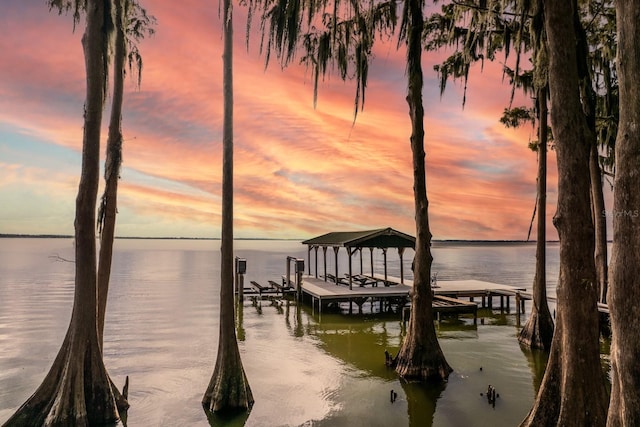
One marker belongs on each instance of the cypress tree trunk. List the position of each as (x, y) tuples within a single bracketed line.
[(420, 356), (588, 96), (229, 388), (77, 390), (113, 161), (538, 331), (600, 224), (624, 291), (108, 205), (573, 390)]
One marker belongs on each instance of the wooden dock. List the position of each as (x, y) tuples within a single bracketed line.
[(449, 296), (486, 291), (320, 292)]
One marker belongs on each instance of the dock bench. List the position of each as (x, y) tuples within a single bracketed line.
[(280, 287), (260, 287)]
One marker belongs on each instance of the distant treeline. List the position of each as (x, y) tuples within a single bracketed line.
[(62, 236)]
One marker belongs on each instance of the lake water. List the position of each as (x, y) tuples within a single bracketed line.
[(162, 325)]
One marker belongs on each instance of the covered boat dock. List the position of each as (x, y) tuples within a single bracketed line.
[(354, 242)]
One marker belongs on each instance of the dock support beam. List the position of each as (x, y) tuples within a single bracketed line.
[(335, 251), (371, 253), (316, 250), (384, 254), (400, 253), (350, 252), (324, 250)]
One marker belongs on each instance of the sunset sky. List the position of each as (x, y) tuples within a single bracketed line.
[(299, 171)]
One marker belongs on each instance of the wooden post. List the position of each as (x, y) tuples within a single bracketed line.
[(371, 253), (324, 250), (384, 254), (299, 285), (361, 271), (240, 278), (518, 309), (400, 253), (309, 258), (335, 251), (350, 253), (235, 283), (288, 274), (316, 268)]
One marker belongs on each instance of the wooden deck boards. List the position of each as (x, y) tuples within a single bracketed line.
[(318, 288)]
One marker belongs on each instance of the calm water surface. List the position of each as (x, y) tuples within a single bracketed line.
[(162, 326)]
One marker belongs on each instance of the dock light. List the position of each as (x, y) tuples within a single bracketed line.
[(299, 265), (241, 265)]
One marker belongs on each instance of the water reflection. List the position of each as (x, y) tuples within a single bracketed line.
[(237, 419), (537, 362), (240, 333), (162, 327), (421, 401), (360, 341)]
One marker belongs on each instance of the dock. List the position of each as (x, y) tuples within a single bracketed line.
[(321, 292), (486, 291), (450, 297), (446, 300)]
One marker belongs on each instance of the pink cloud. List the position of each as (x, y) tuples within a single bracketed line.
[(299, 171)]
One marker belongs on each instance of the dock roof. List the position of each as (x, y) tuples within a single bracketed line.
[(380, 238)]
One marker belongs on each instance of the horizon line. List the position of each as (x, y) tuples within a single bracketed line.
[(69, 236)]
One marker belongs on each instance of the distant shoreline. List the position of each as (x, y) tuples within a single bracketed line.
[(63, 236)]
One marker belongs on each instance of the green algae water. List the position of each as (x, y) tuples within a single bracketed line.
[(162, 327)]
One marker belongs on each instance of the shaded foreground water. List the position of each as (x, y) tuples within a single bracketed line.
[(162, 327)]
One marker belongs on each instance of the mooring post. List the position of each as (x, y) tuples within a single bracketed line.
[(299, 273), (241, 269)]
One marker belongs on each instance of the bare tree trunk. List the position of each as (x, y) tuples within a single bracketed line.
[(229, 388), (573, 389), (588, 96), (624, 291), (420, 356), (113, 161), (77, 390), (538, 331), (600, 223), (108, 205)]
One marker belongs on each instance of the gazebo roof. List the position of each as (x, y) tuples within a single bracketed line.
[(380, 238)]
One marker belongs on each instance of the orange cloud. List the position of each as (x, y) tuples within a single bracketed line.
[(299, 171)]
